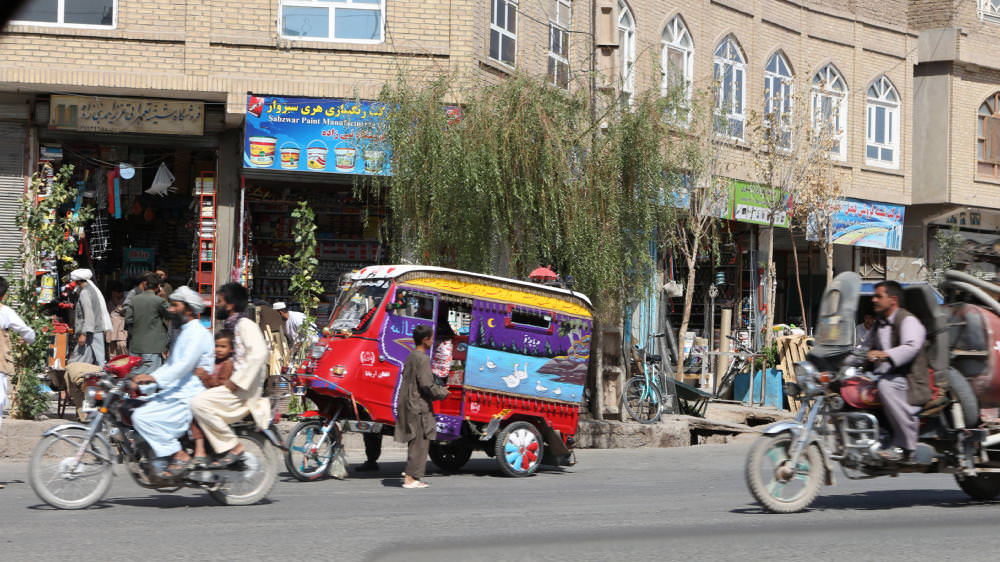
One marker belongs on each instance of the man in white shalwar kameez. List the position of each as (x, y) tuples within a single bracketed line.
[(220, 406), (166, 416)]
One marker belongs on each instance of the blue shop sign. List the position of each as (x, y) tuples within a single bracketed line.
[(868, 223), (337, 136)]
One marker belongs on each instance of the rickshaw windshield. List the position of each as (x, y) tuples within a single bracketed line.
[(358, 304)]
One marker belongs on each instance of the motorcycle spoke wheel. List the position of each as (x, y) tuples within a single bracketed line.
[(642, 401), (67, 472), (257, 474), (779, 487), (309, 451)]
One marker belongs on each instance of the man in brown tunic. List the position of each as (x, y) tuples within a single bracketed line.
[(415, 423)]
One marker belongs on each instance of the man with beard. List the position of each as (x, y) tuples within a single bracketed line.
[(220, 406), (167, 415), (91, 320)]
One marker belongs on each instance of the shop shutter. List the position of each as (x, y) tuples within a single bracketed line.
[(11, 191)]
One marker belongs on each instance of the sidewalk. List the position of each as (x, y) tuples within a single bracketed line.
[(723, 423)]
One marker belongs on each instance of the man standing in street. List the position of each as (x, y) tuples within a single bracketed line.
[(91, 320), (415, 422), (144, 318), (9, 321), (220, 406), (898, 341)]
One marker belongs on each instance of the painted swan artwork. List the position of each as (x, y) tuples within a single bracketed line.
[(539, 387), (490, 364), (512, 381), (557, 391), (523, 373)]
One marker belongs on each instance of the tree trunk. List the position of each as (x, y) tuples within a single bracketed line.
[(771, 287), (597, 353), (829, 262), (798, 282), (692, 263)]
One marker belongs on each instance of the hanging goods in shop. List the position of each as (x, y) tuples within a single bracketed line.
[(100, 239), (163, 182)]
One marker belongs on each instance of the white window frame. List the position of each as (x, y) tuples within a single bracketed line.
[(331, 6), (784, 96), (626, 39), (884, 91), (829, 83), (676, 37), (61, 8), (503, 31), (563, 28), (733, 59), (989, 10)]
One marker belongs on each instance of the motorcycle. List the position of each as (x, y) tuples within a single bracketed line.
[(841, 420), (72, 465)]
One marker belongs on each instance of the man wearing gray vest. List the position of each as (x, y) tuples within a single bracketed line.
[(895, 343)]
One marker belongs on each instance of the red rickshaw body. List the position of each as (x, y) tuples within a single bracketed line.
[(520, 351)]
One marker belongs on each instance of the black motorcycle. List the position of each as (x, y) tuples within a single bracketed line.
[(72, 466)]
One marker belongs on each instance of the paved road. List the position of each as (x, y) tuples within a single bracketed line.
[(649, 504)]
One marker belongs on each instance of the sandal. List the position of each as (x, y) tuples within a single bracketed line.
[(225, 460), (197, 462), (416, 484), (175, 469)]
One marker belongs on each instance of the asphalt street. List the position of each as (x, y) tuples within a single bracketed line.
[(641, 504)]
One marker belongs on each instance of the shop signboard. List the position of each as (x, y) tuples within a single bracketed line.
[(752, 203), (338, 136), (868, 223), (127, 115), (137, 261)]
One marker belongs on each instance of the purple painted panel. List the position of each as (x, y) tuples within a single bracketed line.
[(491, 329), (448, 427), (396, 340)]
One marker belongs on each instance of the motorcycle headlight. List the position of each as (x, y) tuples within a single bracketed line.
[(317, 351), (805, 373), (93, 394)]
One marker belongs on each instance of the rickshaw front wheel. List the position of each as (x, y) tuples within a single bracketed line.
[(449, 457), (519, 449)]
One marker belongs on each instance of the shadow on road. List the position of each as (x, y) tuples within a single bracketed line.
[(883, 499)]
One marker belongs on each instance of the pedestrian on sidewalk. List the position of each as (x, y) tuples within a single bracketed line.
[(145, 318), (9, 320), (415, 422), (91, 320)]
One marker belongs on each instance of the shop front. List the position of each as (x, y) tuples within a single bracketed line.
[(323, 152), (148, 169)]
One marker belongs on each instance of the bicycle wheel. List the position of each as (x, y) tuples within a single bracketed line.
[(641, 400), (309, 451)]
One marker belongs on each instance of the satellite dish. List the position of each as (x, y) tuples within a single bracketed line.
[(126, 170)]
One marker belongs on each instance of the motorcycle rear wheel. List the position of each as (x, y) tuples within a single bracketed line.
[(260, 474), (781, 493), (982, 487), (63, 482)]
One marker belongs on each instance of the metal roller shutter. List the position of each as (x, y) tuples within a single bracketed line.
[(11, 191)]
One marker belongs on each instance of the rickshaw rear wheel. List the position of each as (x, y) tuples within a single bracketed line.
[(449, 457), (519, 449)]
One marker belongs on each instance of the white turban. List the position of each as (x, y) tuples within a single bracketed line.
[(81, 275), (185, 295), (279, 306)]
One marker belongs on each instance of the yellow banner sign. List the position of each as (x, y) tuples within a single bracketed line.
[(127, 115)]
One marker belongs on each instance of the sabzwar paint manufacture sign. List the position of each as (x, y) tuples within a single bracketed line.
[(127, 115), (316, 135), (868, 223)]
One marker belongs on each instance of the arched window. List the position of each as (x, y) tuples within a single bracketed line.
[(988, 137), (676, 59), (626, 44), (778, 96), (729, 72), (882, 124), (829, 108)]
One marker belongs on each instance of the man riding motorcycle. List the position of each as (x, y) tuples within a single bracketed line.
[(166, 416)]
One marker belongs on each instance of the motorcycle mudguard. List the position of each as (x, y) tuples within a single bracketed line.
[(796, 429)]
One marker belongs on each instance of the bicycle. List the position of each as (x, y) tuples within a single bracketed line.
[(645, 395), (737, 364)]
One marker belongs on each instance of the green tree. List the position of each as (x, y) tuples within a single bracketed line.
[(304, 287), (50, 240)]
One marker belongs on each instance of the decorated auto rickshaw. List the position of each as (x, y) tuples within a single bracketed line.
[(518, 368)]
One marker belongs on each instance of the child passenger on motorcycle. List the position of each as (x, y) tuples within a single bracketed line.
[(218, 377)]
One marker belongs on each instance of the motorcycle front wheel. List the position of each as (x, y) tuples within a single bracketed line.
[(68, 472), (258, 476), (778, 486)]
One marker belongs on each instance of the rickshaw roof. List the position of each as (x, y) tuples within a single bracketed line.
[(395, 271)]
